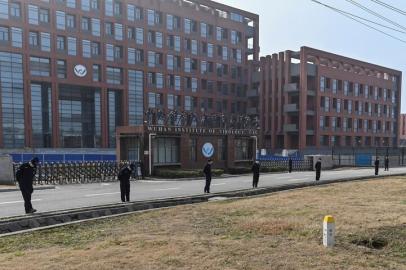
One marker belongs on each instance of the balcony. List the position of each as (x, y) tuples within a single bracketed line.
[(253, 93), (252, 111), (291, 88), (291, 108), (290, 128)]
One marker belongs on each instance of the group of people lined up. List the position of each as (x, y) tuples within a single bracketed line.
[(27, 171)]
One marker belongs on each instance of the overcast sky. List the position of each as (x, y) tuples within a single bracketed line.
[(290, 24)]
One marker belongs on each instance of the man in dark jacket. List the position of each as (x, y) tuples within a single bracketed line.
[(290, 165), (124, 176), (255, 171), (207, 173), (377, 166), (386, 163), (318, 169), (25, 177)]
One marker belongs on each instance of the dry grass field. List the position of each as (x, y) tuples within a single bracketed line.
[(278, 231)]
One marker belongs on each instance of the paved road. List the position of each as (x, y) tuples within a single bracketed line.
[(75, 196)]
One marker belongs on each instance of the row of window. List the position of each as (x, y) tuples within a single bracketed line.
[(189, 103), (328, 104), (357, 90), (326, 140), (39, 15), (355, 125)]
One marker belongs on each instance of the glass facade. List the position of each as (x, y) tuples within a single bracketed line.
[(79, 117), (41, 114), (166, 151), (135, 97), (12, 99), (115, 116)]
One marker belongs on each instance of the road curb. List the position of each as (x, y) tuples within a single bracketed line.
[(35, 188), (21, 224)]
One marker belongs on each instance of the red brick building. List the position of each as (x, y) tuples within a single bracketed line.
[(313, 100), (82, 74)]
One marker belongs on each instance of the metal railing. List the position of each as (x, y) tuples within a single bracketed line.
[(78, 172), (297, 165)]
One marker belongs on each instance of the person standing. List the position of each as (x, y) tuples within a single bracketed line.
[(207, 173), (290, 165), (255, 171), (377, 166), (386, 163), (25, 177), (318, 169), (124, 176)]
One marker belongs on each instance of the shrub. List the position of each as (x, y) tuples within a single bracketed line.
[(239, 170)]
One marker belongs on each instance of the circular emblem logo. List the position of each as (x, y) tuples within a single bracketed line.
[(208, 150), (80, 71)]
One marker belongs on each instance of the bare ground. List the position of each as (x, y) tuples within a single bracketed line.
[(278, 231)]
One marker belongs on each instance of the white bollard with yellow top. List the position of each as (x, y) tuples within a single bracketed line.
[(329, 231)]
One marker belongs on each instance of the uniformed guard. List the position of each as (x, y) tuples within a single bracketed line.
[(25, 177), (124, 176), (207, 173), (386, 163), (318, 169), (290, 165), (255, 171), (377, 166)]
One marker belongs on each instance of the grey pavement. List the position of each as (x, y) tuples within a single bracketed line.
[(85, 195)]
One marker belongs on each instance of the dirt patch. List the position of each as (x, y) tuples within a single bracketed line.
[(278, 231)]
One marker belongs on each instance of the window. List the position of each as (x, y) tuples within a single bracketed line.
[(60, 43), (135, 56), (85, 4), (85, 24), (15, 10), (70, 21), (46, 42), (108, 28), (194, 47), (3, 9), (40, 66), (16, 37), (86, 51), (32, 14), (117, 8), (169, 22), (158, 39), (96, 73), (187, 26), (61, 69), (210, 50), (166, 151), (187, 65), (109, 7), (4, 34), (71, 3), (95, 47), (322, 84), (222, 149), (177, 83), (243, 149), (94, 4), (71, 46), (118, 52), (151, 17), (44, 15), (109, 52), (96, 27), (193, 149), (139, 33), (177, 43), (33, 39), (118, 31), (135, 97), (151, 59), (60, 20), (114, 75), (41, 114), (203, 30)]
